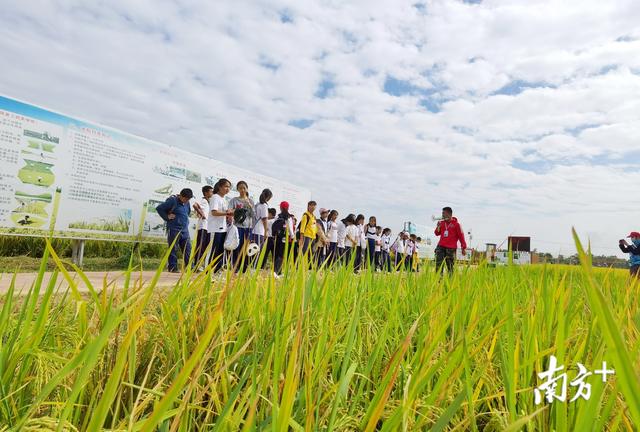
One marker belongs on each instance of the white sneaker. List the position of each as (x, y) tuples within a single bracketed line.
[(276, 275)]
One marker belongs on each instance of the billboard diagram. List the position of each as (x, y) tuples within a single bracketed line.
[(81, 180)]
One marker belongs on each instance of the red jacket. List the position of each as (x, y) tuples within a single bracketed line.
[(455, 234)]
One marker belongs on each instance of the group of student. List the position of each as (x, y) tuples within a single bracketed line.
[(326, 240)]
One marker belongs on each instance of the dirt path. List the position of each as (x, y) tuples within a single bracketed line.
[(25, 280)]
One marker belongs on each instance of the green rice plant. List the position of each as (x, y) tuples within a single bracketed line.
[(319, 349), (121, 224)]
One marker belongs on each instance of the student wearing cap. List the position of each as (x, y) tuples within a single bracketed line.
[(322, 239), (400, 248), (283, 234), (175, 212), (633, 250)]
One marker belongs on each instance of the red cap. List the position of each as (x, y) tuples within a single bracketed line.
[(634, 234), (284, 205)]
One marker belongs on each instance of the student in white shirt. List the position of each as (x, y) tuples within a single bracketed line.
[(332, 232), (243, 201), (203, 238), (409, 251), (385, 247), (378, 248), (370, 231), (262, 217), (341, 234), (399, 246), (351, 240), (270, 243), (362, 243), (217, 223)]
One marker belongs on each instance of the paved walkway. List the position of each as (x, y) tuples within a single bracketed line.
[(25, 280)]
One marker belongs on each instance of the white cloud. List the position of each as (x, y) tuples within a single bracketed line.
[(238, 72)]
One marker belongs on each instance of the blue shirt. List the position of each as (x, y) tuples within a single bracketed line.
[(173, 205), (634, 253)]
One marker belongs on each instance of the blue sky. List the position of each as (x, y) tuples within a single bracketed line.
[(523, 116)]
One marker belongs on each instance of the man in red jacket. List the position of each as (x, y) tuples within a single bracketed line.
[(450, 233)]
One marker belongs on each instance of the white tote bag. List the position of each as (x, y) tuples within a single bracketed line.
[(232, 240)]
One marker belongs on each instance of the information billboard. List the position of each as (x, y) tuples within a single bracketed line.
[(86, 181)]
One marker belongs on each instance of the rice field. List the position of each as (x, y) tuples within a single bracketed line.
[(121, 224), (321, 350)]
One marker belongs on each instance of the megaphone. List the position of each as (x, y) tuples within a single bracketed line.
[(436, 219)]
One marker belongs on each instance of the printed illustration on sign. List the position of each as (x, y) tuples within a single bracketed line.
[(34, 194), (116, 223)]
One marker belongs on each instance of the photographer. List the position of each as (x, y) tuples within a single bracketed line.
[(633, 250)]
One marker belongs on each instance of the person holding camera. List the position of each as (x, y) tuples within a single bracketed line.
[(450, 233), (633, 250)]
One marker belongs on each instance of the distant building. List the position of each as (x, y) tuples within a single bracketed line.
[(520, 248)]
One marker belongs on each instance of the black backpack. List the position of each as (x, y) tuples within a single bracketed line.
[(278, 230), (240, 215)]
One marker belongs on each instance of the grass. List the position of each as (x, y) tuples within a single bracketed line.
[(32, 248), (321, 351), (25, 264)]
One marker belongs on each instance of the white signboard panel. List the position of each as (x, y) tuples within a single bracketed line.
[(82, 180)]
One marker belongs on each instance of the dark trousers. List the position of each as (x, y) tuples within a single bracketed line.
[(358, 261), (269, 252), (371, 252), (445, 257), (376, 259), (259, 240), (400, 259), (217, 250), (348, 253), (239, 252), (280, 250), (340, 255), (385, 261), (183, 242), (634, 270), (321, 255), (332, 250), (203, 238), (306, 244)]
